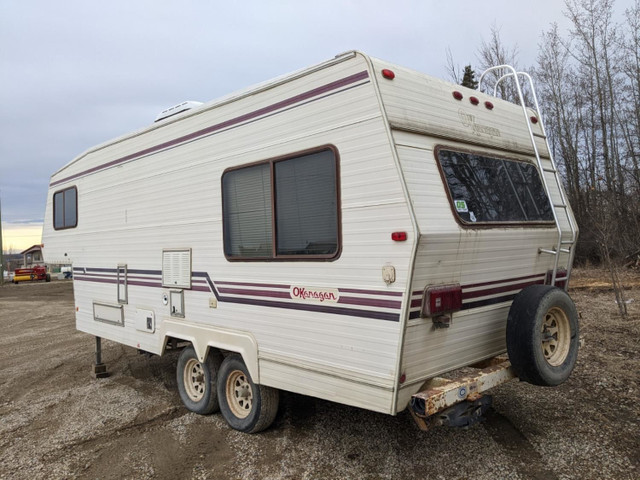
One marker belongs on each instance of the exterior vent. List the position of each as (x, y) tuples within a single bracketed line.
[(181, 107)]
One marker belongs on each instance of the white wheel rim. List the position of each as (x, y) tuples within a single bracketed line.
[(239, 394), (556, 336), (194, 381)]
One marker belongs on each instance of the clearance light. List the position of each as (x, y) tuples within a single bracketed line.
[(534, 119), (399, 236), (441, 299), (489, 105), (403, 377), (388, 74), (457, 95), (474, 100)]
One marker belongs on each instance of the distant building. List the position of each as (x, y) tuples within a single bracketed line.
[(32, 257)]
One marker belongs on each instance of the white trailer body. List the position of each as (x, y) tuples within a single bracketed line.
[(304, 223)]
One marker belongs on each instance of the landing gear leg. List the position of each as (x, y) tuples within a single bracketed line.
[(99, 368)]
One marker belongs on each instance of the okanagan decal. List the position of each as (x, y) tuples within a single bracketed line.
[(316, 295), (469, 121)]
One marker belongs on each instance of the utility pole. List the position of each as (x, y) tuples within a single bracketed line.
[(1, 254)]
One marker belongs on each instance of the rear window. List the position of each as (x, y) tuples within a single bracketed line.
[(485, 189)]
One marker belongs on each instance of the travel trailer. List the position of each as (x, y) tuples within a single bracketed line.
[(352, 231)]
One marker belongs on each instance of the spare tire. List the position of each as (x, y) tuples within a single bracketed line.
[(542, 335)]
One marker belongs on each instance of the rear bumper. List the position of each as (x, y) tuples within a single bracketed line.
[(439, 394)]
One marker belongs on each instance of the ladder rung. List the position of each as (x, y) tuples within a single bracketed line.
[(560, 205), (550, 170), (553, 252), (539, 135), (567, 242)]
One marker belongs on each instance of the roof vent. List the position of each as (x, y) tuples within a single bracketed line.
[(181, 107)]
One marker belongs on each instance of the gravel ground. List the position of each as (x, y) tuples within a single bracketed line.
[(57, 421)]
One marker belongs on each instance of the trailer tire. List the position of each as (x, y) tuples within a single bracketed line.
[(197, 381), (47, 277), (542, 335), (245, 406)]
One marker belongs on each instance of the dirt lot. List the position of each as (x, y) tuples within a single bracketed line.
[(57, 421)]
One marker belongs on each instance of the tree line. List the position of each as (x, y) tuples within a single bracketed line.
[(588, 85)]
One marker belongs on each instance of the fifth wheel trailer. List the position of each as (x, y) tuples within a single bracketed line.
[(351, 231)]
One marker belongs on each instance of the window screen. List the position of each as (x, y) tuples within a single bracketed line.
[(493, 190), (300, 220), (65, 208)]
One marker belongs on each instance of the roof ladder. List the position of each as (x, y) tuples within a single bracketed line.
[(562, 246)]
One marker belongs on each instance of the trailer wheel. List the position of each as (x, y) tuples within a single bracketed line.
[(197, 381), (47, 278), (542, 335), (246, 407)]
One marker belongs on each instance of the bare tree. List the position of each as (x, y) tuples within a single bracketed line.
[(492, 53)]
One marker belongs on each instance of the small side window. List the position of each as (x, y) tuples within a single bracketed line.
[(65, 208)]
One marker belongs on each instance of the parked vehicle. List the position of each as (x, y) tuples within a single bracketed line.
[(351, 231), (31, 274)]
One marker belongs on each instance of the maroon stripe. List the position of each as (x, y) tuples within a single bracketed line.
[(493, 291), (201, 289), (114, 281), (263, 285), (417, 302), (369, 302), (492, 282), (145, 284), (369, 292), (234, 121), (483, 284), (256, 293), (92, 279), (394, 317)]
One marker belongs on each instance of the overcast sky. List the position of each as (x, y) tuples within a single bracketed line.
[(77, 73)]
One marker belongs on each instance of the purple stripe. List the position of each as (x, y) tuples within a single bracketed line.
[(492, 291), (91, 279), (394, 317), (494, 282), (369, 292), (114, 281), (257, 293), (370, 302), (145, 284), (234, 121), (263, 285)]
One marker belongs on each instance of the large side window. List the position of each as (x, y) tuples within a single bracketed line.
[(65, 208), (281, 209), (485, 189)]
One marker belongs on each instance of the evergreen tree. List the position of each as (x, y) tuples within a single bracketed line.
[(469, 78)]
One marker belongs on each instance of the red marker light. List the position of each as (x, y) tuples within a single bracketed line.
[(388, 74), (489, 105), (399, 236), (457, 95), (534, 119), (474, 100)]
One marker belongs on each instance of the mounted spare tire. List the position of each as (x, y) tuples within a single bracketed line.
[(542, 335)]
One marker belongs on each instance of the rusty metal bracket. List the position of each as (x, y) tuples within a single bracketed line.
[(440, 394)]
